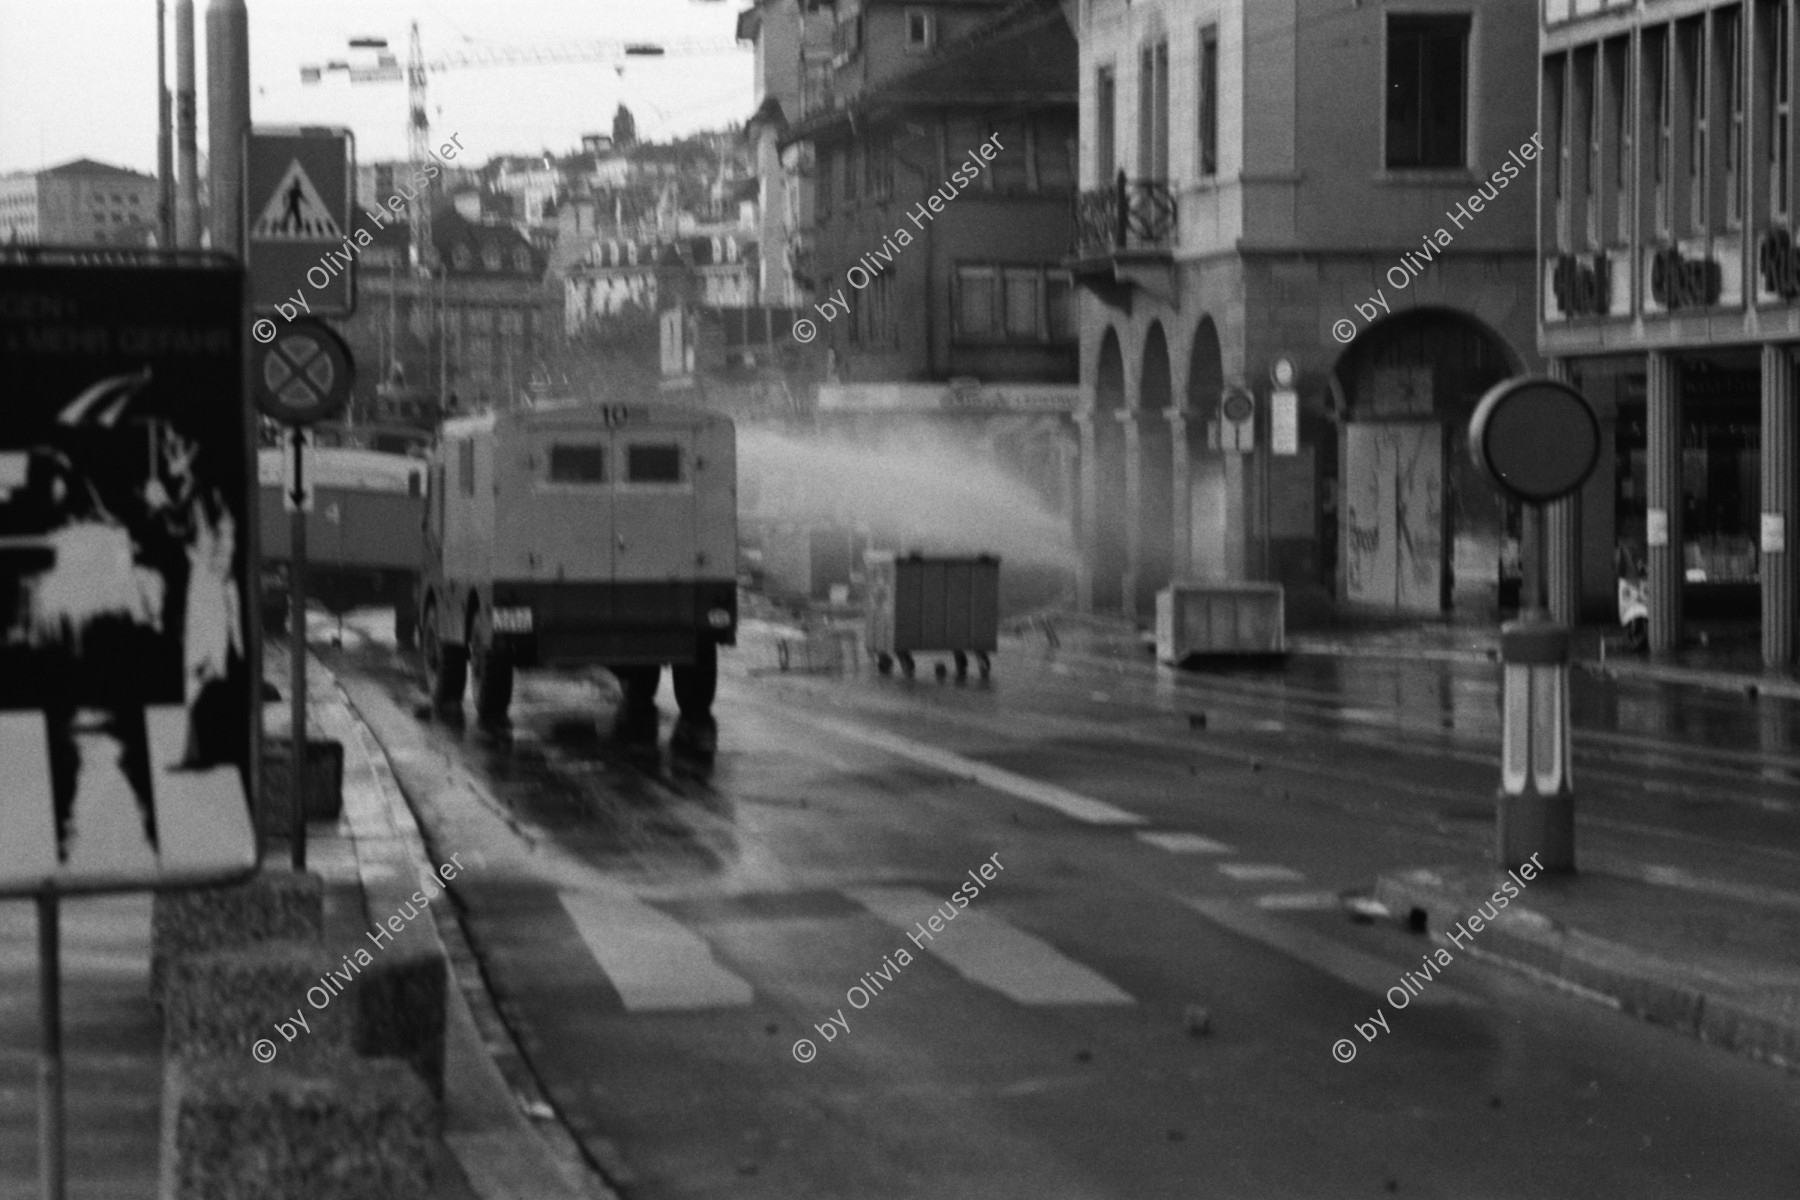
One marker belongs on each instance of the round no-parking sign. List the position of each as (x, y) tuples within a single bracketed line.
[(1539, 439), (304, 375)]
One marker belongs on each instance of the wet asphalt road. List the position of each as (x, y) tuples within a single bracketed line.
[(1145, 1001)]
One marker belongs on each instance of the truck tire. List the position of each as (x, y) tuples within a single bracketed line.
[(406, 625), (446, 667), (492, 668), (494, 686), (635, 722), (698, 683)]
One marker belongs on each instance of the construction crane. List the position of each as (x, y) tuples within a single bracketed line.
[(418, 132)]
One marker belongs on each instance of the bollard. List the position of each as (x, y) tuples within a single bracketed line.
[(1536, 803)]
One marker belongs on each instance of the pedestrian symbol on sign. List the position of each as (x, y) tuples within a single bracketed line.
[(295, 212)]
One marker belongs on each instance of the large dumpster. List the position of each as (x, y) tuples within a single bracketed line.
[(937, 604), (1195, 620)]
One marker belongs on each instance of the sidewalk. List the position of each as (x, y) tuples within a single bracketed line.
[(113, 1033), (1710, 958), (1720, 664), (374, 860)]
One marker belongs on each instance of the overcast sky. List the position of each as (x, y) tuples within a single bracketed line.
[(78, 77)]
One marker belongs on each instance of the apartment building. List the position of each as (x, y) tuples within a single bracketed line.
[(1300, 262)]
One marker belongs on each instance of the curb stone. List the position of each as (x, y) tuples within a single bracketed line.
[(1638, 983)]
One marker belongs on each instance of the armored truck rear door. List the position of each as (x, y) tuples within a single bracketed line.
[(561, 530), (653, 504)]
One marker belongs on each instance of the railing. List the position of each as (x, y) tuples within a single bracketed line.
[(1130, 214)]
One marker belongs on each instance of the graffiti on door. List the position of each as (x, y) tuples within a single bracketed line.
[(1393, 516)]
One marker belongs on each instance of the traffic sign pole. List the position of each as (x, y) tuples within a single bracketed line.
[(297, 652), (1539, 440), (50, 1056)]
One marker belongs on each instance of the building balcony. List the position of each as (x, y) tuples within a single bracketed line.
[(1124, 240)]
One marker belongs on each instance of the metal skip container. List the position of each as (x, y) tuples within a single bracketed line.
[(1199, 620), (933, 604)]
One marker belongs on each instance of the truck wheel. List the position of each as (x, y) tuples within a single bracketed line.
[(492, 668), (446, 667), (698, 683), (635, 721)]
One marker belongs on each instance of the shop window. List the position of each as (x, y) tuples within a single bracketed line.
[(1427, 100)]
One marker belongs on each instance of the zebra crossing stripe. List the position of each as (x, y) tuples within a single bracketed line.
[(1261, 873), (1365, 972), (1184, 843), (654, 962), (1070, 804), (986, 950)]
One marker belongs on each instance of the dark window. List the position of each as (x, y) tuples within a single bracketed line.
[(1059, 302), (1427, 102), (1015, 304), (1009, 171), (1699, 131), (577, 464), (918, 30), (1780, 115), (1209, 101), (1619, 77), (1104, 122), (465, 467), (1055, 149), (1727, 31), (1153, 111), (1658, 46), (1023, 301), (653, 464), (976, 289)]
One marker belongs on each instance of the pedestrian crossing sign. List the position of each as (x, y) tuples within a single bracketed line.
[(296, 211), (299, 184)]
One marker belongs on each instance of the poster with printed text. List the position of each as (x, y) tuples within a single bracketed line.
[(125, 484)]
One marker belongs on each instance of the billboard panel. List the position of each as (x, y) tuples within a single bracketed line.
[(127, 709)]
